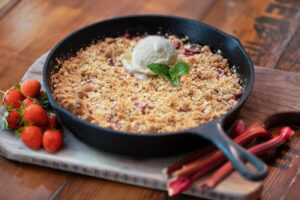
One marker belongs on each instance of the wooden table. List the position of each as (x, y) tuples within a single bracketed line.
[(268, 29)]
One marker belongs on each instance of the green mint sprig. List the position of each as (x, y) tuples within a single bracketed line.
[(170, 73)]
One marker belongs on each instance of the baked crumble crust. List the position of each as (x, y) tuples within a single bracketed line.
[(95, 86)]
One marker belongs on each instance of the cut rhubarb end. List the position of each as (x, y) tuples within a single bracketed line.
[(286, 132), (178, 185), (239, 128)]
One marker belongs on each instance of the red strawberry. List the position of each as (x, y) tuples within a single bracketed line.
[(32, 136), (30, 88), (28, 102), (14, 97), (52, 121), (52, 140), (13, 119), (36, 114)]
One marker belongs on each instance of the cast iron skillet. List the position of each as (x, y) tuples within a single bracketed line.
[(167, 143)]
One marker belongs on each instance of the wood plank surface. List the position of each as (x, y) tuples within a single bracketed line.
[(290, 59), (265, 28), (6, 6), (269, 30)]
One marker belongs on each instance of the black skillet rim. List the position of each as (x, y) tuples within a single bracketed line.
[(220, 119)]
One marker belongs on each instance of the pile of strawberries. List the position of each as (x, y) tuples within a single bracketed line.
[(29, 113)]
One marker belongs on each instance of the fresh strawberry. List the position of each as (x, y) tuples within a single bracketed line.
[(52, 121), (32, 136), (30, 88), (35, 114), (28, 101), (52, 140), (13, 119), (14, 97)]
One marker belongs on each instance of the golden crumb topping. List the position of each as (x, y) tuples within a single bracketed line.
[(95, 86)]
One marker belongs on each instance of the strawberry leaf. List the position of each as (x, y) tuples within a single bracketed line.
[(4, 124), (19, 130), (4, 94), (10, 107), (17, 86), (35, 101), (45, 103), (4, 121), (23, 104)]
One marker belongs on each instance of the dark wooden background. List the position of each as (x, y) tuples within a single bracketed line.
[(268, 29)]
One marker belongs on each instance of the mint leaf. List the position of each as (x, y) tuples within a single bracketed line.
[(175, 80), (172, 74), (160, 69), (179, 69)]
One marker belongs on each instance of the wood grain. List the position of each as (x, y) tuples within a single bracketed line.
[(31, 28), (274, 89), (101, 189), (22, 181), (284, 168), (265, 28), (290, 59), (6, 6)]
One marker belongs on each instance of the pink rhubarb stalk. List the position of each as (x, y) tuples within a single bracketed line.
[(187, 174), (284, 134), (218, 157), (167, 172)]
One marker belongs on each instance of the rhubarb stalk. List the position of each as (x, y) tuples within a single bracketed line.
[(167, 172), (218, 157), (284, 134), (187, 174)]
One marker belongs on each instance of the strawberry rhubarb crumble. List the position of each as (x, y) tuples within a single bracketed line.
[(109, 84)]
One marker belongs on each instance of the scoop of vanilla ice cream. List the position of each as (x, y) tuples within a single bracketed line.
[(152, 49)]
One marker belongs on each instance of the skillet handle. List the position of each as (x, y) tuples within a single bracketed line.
[(234, 152)]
